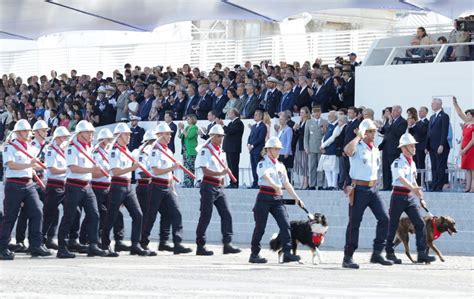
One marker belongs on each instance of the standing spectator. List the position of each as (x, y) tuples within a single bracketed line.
[(285, 134), (50, 104), (39, 105), (287, 100), (437, 145), (251, 103), (232, 145), (467, 145), (136, 137), (268, 122), (132, 105), (329, 162), (219, 101), (303, 99), (189, 136), (233, 102), (30, 116), (173, 127), (349, 89), (212, 118), (53, 122), (461, 53), (156, 105), (122, 103), (313, 135), (342, 122), (204, 104), (419, 129), (255, 144), (353, 61), (145, 106), (301, 156), (394, 128), (329, 90)]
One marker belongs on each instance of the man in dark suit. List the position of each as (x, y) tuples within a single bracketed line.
[(255, 144), (353, 122), (272, 98), (219, 101), (204, 104), (349, 89), (395, 127), (318, 93), (212, 118), (329, 92), (186, 108), (288, 98), (303, 98), (437, 145), (173, 127), (251, 104), (144, 107), (419, 130), (232, 145)]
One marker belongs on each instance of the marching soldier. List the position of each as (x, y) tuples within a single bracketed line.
[(121, 167), (364, 159), (101, 187), (162, 194), (20, 189), (405, 189), (272, 177), (212, 193), (80, 168)]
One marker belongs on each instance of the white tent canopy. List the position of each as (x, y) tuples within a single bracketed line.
[(30, 19)]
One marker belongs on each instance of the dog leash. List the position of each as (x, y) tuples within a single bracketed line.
[(427, 211), (290, 201)]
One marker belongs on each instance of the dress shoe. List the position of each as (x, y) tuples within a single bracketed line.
[(14, 247), (64, 253), (6, 255), (21, 248), (110, 252), (423, 257), (347, 262), (392, 257), (50, 244), (165, 246), (377, 258), (178, 249), (94, 250), (40, 251), (229, 249), (257, 259), (288, 257), (138, 250), (202, 250), (312, 188), (121, 246), (75, 246)]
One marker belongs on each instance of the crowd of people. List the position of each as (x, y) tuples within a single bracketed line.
[(312, 147)]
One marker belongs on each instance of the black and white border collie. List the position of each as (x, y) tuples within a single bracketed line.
[(310, 233)]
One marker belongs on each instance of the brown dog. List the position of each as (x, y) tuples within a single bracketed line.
[(442, 224)]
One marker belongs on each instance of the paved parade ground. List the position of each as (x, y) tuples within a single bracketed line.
[(231, 276)]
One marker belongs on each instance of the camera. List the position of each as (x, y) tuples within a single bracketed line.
[(465, 24)]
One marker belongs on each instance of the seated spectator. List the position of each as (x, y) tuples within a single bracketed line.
[(64, 119), (449, 55), (421, 38), (39, 111), (133, 104), (53, 121), (233, 102)]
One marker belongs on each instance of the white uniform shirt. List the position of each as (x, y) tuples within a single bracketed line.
[(276, 171), (401, 168), (143, 157), (74, 157), (55, 157), (206, 159), (117, 159), (10, 153), (365, 162), (101, 156), (37, 150), (159, 160)]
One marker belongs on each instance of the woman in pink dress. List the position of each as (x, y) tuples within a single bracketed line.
[(467, 145)]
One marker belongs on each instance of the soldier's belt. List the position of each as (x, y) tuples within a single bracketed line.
[(120, 181), (100, 185), (22, 181), (161, 182), (143, 182), (77, 183), (55, 183), (364, 183), (268, 191), (400, 190), (213, 181)]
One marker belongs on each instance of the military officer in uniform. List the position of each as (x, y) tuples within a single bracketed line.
[(79, 192), (405, 191), (20, 189), (272, 177), (121, 192), (364, 160), (162, 194), (212, 193), (101, 187)]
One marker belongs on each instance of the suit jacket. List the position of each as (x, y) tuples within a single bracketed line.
[(204, 106), (136, 137), (349, 134), (144, 109), (287, 101), (218, 105), (348, 94), (249, 107), (313, 134), (233, 136), (272, 103), (438, 131), (209, 126), (319, 97), (122, 101), (257, 138), (420, 131), (392, 134), (174, 128), (330, 96), (302, 98)]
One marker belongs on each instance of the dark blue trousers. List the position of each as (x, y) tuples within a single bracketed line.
[(267, 204), (364, 197), (439, 165), (407, 204), (15, 195), (213, 195), (254, 159)]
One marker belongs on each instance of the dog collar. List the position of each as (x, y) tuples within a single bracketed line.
[(436, 232)]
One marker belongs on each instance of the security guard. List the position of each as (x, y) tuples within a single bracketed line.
[(121, 192), (405, 189), (20, 189), (162, 191), (101, 187), (55, 160), (212, 193), (79, 193), (272, 177), (40, 131), (364, 160)]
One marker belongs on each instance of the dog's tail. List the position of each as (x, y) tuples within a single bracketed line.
[(275, 242)]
